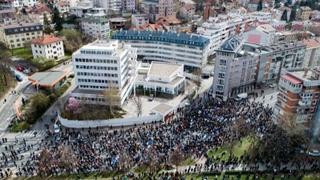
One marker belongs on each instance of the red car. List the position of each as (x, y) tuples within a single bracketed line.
[(20, 68)]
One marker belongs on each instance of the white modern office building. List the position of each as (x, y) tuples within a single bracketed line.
[(95, 25), (190, 50), (219, 29), (161, 78), (47, 46), (101, 66)]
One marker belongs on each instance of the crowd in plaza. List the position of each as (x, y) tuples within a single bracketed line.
[(205, 124)]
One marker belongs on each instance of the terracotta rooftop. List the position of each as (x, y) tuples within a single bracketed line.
[(311, 43), (39, 9), (47, 39), (292, 79)]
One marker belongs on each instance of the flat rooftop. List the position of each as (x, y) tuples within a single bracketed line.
[(142, 78), (304, 75), (49, 78), (162, 69)]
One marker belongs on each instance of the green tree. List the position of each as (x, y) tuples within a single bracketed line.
[(39, 103), (46, 24), (57, 20), (260, 5), (73, 40), (284, 16), (293, 14)]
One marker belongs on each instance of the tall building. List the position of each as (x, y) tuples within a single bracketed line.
[(102, 65), (276, 57), (95, 25), (218, 29), (128, 5), (17, 35), (299, 93), (157, 8), (234, 69), (81, 8), (189, 50), (312, 55), (111, 6)]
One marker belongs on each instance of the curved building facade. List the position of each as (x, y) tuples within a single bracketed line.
[(180, 48)]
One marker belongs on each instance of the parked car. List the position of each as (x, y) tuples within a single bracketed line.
[(151, 97), (272, 85), (26, 71), (19, 78), (20, 68), (56, 128)]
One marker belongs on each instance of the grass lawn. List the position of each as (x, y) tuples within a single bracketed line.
[(238, 149), (311, 176), (19, 126), (243, 177), (41, 63), (93, 112), (23, 53)]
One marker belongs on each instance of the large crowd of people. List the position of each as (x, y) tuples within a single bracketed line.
[(205, 124)]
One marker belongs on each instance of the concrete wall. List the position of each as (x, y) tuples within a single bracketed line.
[(110, 122)]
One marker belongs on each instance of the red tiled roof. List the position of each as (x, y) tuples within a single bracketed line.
[(47, 39), (254, 39), (39, 9), (311, 43), (292, 79)]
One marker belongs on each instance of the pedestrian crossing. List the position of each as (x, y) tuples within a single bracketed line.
[(38, 134)]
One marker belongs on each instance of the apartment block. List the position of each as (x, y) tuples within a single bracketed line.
[(312, 55), (298, 97), (219, 29), (276, 57), (7, 4), (157, 8), (234, 69), (17, 35), (95, 25)]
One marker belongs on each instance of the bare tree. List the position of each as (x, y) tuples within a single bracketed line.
[(138, 103), (176, 157), (67, 157), (111, 95), (45, 162)]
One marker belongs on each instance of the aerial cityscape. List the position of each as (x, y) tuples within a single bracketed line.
[(160, 89)]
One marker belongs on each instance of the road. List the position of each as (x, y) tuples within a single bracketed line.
[(24, 144), (7, 110)]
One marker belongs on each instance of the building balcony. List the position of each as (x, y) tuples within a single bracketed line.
[(312, 83), (286, 86), (304, 103)]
